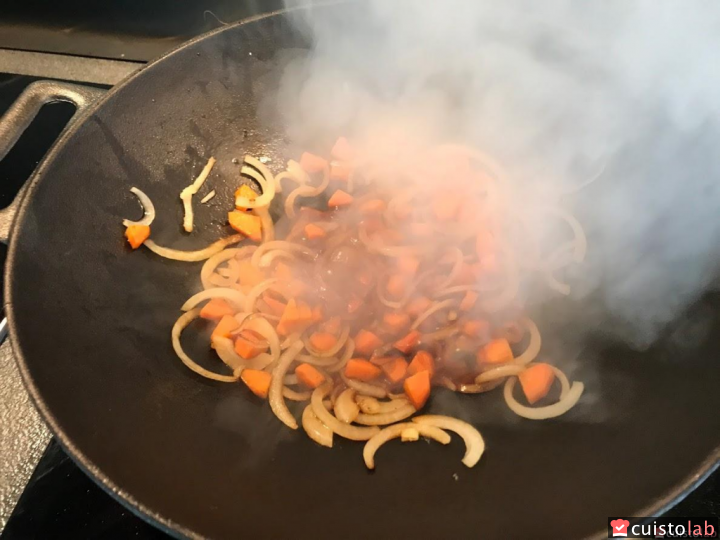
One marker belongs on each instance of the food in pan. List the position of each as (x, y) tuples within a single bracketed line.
[(372, 291)]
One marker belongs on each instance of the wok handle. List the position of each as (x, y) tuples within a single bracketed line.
[(21, 114), (16, 120)]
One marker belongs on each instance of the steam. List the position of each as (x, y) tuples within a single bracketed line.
[(559, 93)]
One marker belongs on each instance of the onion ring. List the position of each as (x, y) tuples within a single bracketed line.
[(193, 256), (395, 431), (148, 209), (474, 443)]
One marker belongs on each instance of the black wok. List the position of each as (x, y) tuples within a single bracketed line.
[(90, 325)]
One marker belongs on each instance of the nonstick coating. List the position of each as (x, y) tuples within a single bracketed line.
[(91, 326)]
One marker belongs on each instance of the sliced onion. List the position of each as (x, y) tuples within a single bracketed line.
[(346, 356), (232, 295), (346, 410), (277, 403), (282, 245), (291, 340), (300, 191), (533, 348), (265, 329), (455, 290), (474, 443), (226, 351), (207, 197), (577, 229), (565, 403), (187, 194), (315, 429), (178, 327), (499, 373), (269, 258), (410, 434), (437, 306), (267, 188), (364, 388), (266, 222), (342, 338), (255, 292), (216, 260), (393, 432), (260, 166), (383, 419), (370, 405), (457, 266), (348, 431), (148, 209), (296, 171), (193, 256), (292, 395)]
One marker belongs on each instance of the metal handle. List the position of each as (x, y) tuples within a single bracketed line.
[(21, 114), (16, 120)]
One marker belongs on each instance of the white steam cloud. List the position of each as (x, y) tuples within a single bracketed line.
[(557, 91)]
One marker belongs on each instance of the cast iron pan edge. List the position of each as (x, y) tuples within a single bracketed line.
[(660, 506)]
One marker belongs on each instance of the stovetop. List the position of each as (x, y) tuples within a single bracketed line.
[(59, 500)]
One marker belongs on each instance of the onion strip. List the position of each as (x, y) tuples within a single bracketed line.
[(346, 410), (193, 256), (395, 431), (474, 443), (383, 419), (186, 194), (180, 325), (275, 395), (347, 431), (232, 295), (565, 403), (148, 209), (315, 429)]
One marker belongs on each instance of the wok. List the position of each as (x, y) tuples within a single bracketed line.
[(90, 326)]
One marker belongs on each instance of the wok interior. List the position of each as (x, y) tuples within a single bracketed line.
[(91, 326)]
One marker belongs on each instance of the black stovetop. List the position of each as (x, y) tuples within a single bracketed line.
[(60, 501)]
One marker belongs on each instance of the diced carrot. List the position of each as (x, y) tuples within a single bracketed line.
[(418, 305), (417, 388), (484, 243), (312, 163), (226, 325), (498, 351), (257, 381), (314, 232), (362, 370), (248, 348), (395, 285), (342, 150), (396, 369), (382, 360), (322, 341), (408, 342), (216, 309), (366, 342), (396, 321), (536, 382), (373, 206), (421, 229), (309, 375), (248, 224), (354, 303), (446, 206), (317, 313), (332, 325), (245, 191), (468, 301), (249, 274), (306, 314), (276, 306), (423, 360), (283, 272), (408, 265), (476, 328), (137, 234), (340, 198), (340, 171), (289, 319)]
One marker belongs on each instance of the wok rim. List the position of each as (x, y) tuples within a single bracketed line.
[(660, 505)]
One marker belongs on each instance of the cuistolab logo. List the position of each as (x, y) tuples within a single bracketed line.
[(620, 527)]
